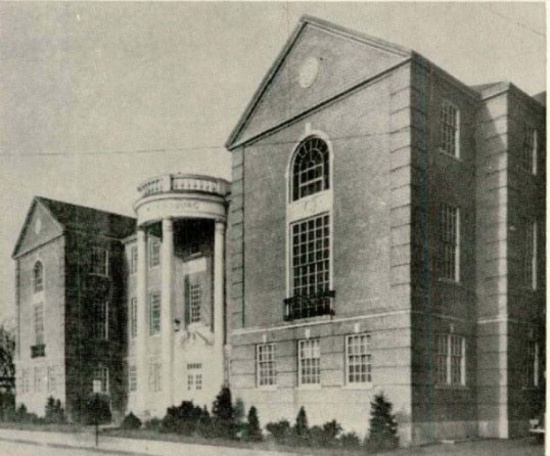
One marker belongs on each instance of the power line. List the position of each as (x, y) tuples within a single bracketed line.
[(176, 149), (518, 23)]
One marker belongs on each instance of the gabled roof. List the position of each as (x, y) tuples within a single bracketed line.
[(308, 21), (70, 217)]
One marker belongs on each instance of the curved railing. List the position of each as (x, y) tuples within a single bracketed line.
[(183, 183)]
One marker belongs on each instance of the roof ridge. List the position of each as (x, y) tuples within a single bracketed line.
[(46, 199)]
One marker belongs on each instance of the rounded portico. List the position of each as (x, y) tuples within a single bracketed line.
[(180, 281)]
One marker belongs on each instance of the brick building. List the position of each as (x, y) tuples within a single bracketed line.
[(385, 232)]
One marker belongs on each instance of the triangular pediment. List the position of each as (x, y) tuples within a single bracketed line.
[(39, 227), (319, 62)]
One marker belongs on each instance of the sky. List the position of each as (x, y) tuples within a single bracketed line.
[(96, 97)]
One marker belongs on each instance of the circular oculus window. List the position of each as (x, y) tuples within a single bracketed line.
[(308, 72)]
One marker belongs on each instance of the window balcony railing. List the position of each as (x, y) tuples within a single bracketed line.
[(38, 351), (307, 306), (183, 183)]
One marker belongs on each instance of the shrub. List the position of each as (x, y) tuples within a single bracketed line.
[(349, 440), (301, 428), (182, 419), (280, 430), (204, 425), (253, 430), (130, 422), (153, 424), (383, 426), (223, 413), (54, 413), (7, 406)]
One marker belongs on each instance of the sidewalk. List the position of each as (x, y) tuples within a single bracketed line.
[(126, 446)]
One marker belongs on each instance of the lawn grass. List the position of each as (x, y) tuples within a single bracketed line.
[(65, 428), (266, 445)]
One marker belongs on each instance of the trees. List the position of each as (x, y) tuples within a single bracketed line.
[(7, 351), (383, 426)]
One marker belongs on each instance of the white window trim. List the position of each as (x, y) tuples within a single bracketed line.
[(133, 264), (457, 275), (274, 353), (309, 206), (308, 386), (347, 383), (150, 318), (43, 323), (151, 241), (102, 368), (448, 362), (457, 154), (97, 248), (40, 293)]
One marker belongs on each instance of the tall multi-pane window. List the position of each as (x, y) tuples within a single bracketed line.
[(154, 313), (133, 259), (358, 359), (450, 129), (155, 370), (450, 360), (311, 256), (532, 365), (528, 155), (133, 318), (38, 277), (38, 379), (195, 300), (39, 324), (100, 321), (310, 172), (528, 232), (309, 362), (99, 261), (154, 252), (101, 374), (449, 255), (51, 380), (25, 381), (132, 378), (265, 365)]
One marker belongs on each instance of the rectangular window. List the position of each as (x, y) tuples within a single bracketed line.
[(449, 267), (266, 374), (195, 300), (358, 359), (51, 380), (190, 382), (99, 261), (101, 374), (311, 256), (154, 252), (155, 370), (25, 381), (198, 381), (528, 156), (133, 318), (154, 314), (532, 365), (39, 324), (100, 322), (133, 259), (529, 249), (38, 379), (309, 362), (132, 378), (194, 378), (450, 129), (450, 360)]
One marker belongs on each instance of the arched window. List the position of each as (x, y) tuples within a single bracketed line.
[(38, 275), (310, 171)]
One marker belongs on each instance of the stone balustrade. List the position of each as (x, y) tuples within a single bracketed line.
[(183, 183)]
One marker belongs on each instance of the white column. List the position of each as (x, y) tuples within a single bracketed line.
[(141, 345), (167, 267), (219, 242)]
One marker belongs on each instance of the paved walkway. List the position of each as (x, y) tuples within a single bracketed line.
[(126, 446)]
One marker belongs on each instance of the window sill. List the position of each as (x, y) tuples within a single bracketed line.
[(452, 387), (358, 386), (456, 283), (313, 387), (267, 388), (447, 154)]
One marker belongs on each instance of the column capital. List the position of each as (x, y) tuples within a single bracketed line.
[(220, 225)]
